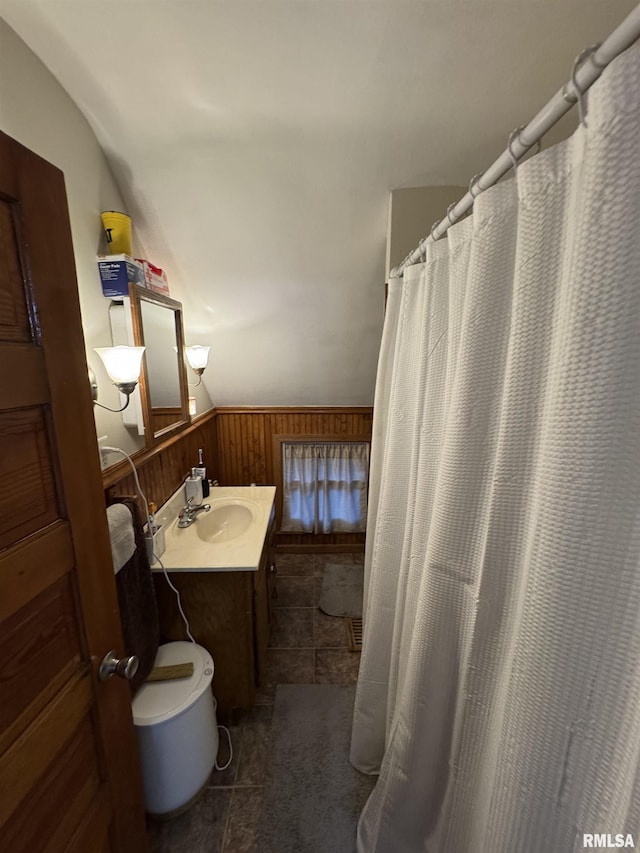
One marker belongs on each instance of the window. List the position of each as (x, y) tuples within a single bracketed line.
[(324, 487)]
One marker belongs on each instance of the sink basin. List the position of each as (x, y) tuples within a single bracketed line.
[(228, 538), (224, 522)]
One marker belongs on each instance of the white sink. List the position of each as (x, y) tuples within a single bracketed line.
[(224, 522), (230, 537)]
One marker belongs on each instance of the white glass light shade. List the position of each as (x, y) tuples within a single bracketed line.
[(197, 356), (122, 363)]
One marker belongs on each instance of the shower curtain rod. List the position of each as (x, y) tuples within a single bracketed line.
[(620, 39)]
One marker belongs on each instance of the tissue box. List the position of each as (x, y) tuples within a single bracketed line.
[(155, 278), (117, 272)]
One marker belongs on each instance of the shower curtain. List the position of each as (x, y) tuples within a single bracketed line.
[(499, 689)]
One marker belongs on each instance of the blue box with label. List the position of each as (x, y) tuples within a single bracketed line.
[(117, 272)]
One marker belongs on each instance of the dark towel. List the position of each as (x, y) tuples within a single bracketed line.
[(137, 600)]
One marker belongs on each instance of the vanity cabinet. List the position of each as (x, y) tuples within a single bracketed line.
[(229, 613)]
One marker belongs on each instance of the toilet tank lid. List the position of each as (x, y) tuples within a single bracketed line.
[(157, 701)]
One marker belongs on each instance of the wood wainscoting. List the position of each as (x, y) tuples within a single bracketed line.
[(162, 469), (239, 450), (246, 454), (163, 417)]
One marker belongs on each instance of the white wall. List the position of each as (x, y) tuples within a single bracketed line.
[(35, 110), (412, 212), (256, 143)]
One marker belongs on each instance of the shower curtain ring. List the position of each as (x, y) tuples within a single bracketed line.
[(472, 184), (449, 209), (537, 144), (568, 96), (579, 93), (433, 228), (512, 136)]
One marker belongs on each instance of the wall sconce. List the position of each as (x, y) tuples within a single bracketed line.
[(198, 358), (123, 366)]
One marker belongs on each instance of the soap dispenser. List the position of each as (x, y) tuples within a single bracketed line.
[(193, 488), (201, 471)]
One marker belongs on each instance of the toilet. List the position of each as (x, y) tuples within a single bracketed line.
[(175, 722)]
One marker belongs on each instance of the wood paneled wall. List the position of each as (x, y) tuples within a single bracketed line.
[(245, 453), (164, 417), (164, 468), (238, 446)]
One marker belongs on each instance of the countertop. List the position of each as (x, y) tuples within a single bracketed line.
[(187, 552)]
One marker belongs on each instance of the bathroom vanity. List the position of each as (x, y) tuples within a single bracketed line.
[(223, 565)]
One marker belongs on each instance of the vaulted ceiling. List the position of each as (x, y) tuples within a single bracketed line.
[(256, 144)]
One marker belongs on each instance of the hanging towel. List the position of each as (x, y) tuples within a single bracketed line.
[(123, 540), (137, 600)]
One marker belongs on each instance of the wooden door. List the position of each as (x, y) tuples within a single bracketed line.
[(69, 776)]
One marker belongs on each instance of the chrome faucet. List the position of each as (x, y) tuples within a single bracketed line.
[(189, 513)]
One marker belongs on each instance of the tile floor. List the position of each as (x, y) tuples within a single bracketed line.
[(305, 647)]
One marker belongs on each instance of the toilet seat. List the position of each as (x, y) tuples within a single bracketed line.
[(157, 701)]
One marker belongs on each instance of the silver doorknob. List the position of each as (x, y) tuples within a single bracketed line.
[(124, 667)]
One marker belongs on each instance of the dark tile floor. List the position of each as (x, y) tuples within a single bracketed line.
[(305, 647)]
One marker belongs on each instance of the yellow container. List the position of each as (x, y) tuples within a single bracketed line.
[(117, 227)]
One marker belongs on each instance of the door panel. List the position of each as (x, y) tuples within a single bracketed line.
[(69, 777), (27, 496), (33, 564), (14, 314), (39, 651), (41, 816)]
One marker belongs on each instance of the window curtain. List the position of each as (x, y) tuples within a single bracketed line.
[(499, 690), (324, 487)]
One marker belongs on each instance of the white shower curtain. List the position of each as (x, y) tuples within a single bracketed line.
[(499, 689)]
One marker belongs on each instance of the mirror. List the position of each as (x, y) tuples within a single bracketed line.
[(157, 325)]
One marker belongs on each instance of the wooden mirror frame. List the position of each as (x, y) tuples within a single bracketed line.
[(138, 295)]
